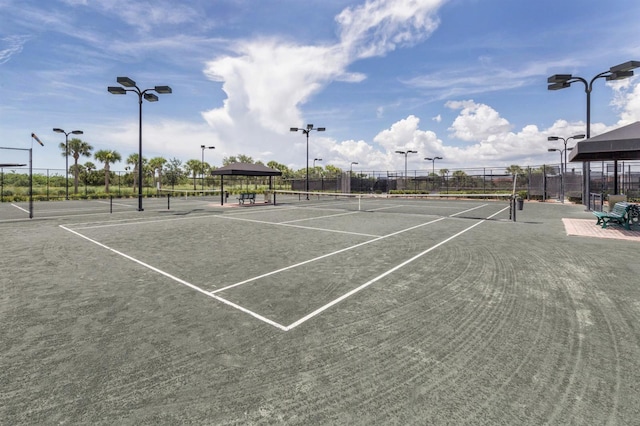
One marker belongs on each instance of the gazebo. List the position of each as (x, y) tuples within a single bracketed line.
[(619, 144), (244, 169)]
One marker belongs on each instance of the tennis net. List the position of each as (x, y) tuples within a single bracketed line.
[(473, 206), (186, 194)]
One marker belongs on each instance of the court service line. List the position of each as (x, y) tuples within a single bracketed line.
[(336, 231), (286, 268), (379, 277), (178, 280)]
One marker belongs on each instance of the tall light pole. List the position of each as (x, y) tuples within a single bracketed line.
[(66, 152), (314, 161), (562, 168), (86, 177), (351, 168), (150, 97), (306, 132), (203, 147), (433, 168), (565, 140), (562, 81), (406, 153)]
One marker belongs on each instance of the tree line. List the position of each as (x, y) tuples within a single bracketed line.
[(173, 171)]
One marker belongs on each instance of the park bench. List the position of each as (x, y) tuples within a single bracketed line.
[(247, 196), (619, 214)]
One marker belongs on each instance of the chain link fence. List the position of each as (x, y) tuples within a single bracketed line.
[(545, 182)]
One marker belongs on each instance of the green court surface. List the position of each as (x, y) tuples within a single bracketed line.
[(442, 312)]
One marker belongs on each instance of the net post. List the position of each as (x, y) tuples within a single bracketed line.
[(110, 203), (168, 202)]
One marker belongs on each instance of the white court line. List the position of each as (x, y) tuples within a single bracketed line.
[(115, 204), (213, 295), (20, 208), (324, 256), (370, 282), (178, 280), (311, 228), (473, 208)]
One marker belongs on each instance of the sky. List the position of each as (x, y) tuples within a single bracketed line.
[(465, 80)]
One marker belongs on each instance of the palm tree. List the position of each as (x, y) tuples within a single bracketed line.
[(156, 164), (132, 159), (78, 147), (193, 167), (107, 157)]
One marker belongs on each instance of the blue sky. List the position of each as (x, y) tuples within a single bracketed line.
[(460, 79)]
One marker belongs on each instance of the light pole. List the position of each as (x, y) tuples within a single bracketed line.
[(150, 97), (351, 168), (306, 132), (562, 81), (86, 177), (406, 153), (66, 153), (561, 151), (433, 168), (203, 148), (565, 140), (314, 161)]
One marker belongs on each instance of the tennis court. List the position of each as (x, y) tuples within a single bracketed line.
[(341, 311)]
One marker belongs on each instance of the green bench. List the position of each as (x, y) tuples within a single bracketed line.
[(251, 197), (619, 214)]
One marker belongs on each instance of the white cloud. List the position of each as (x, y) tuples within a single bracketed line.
[(627, 100), (378, 26), (267, 80), (10, 46), (476, 121)]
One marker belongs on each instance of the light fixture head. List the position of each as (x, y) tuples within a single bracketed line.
[(321, 129), (558, 86), (553, 149), (627, 66), (559, 78), (553, 138), (116, 90), (163, 89), (151, 97), (437, 158), (293, 129), (309, 126), (569, 149), (126, 82), (412, 152), (57, 130), (619, 75), (400, 152), (77, 132), (580, 136)]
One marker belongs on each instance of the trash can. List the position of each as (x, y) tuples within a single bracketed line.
[(520, 202), (226, 196)]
